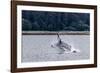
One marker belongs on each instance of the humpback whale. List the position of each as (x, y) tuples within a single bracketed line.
[(65, 47)]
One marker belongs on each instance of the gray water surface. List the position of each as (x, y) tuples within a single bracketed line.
[(37, 48)]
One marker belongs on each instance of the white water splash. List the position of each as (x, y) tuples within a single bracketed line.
[(64, 50)]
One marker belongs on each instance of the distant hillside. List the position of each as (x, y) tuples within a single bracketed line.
[(55, 21)]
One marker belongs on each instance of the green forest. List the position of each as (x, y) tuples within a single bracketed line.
[(55, 21)]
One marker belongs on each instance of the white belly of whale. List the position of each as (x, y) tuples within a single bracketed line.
[(71, 50)]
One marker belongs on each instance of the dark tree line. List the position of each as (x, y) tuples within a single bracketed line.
[(55, 21)]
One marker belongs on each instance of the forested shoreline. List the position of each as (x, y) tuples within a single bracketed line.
[(55, 21)]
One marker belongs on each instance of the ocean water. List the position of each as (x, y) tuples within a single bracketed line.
[(37, 48)]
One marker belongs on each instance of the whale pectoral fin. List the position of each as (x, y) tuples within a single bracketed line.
[(75, 50)]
